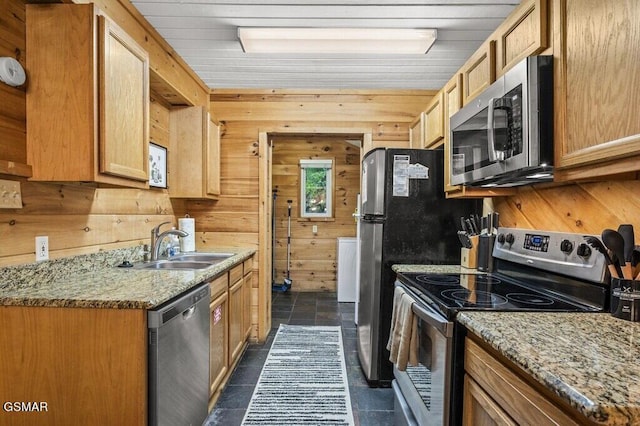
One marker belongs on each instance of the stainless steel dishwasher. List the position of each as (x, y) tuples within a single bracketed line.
[(179, 359)]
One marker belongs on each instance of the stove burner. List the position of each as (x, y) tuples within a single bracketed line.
[(530, 299), (438, 279), (474, 297)]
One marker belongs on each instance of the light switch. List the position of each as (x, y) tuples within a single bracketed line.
[(314, 229), (10, 196)]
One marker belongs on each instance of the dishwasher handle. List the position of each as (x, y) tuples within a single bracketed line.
[(188, 313)]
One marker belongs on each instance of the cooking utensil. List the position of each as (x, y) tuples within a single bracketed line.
[(595, 242), (614, 242), (495, 222), (626, 230)]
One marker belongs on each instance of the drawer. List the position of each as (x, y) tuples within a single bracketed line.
[(516, 397), (248, 265), (235, 274), (219, 285)]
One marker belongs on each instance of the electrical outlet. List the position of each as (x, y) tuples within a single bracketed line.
[(42, 248)]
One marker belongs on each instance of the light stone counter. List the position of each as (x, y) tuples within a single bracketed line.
[(591, 360), (435, 269), (94, 281)]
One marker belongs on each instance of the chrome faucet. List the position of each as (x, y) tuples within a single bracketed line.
[(157, 237)]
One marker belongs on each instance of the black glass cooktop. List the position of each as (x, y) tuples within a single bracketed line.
[(450, 293)]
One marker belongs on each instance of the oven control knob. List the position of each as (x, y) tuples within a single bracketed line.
[(501, 238), (566, 246), (510, 238), (583, 250)]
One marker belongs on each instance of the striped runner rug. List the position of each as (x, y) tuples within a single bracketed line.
[(303, 381)]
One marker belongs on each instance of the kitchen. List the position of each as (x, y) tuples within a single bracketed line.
[(81, 219)]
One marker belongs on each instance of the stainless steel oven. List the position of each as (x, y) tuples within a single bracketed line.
[(427, 385), (504, 137), (534, 271)]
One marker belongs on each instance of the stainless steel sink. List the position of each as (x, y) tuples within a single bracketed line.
[(170, 264), (201, 257)]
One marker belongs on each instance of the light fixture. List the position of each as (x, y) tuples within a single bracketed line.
[(336, 40)]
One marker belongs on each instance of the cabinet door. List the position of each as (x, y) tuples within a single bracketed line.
[(236, 313), (478, 72), (219, 341), (124, 104), (246, 313), (434, 121), (480, 409), (212, 156), (597, 87), (416, 132), (522, 34)]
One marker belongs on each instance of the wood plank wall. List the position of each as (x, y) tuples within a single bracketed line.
[(582, 208), (79, 218), (233, 219), (313, 256)]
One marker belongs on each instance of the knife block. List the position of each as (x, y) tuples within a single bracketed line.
[(469, 257), (625, 299)]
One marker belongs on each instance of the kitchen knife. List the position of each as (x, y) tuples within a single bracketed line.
[(470, 229), (465, 240)]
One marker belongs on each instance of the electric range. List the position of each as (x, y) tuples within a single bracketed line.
[(535, 271)]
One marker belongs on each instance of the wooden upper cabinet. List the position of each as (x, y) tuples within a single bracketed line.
[(434, 121), (194, 155), (523, 33), (88, 98), (479, 71), (416, 132), (212, 168), (597, 126)]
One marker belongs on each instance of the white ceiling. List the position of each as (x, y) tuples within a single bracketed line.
[(204, 33)]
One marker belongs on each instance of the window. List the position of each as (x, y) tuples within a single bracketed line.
[(316, 188)]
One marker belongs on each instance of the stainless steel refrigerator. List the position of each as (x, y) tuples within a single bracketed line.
[(405, 219)]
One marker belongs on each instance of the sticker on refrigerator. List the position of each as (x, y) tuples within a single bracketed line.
[(418, 171), (401, 175), (364, 183)]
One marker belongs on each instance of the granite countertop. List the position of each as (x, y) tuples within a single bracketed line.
[(435, 269), (87, 282), (591, 360)]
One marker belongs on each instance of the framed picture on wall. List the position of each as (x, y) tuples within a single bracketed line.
[(157, 166)]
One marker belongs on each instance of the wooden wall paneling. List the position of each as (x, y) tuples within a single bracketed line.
[(582, 208), (159, 120), (309, 251)]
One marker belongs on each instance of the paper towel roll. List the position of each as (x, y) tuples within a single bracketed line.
[(187, 225)]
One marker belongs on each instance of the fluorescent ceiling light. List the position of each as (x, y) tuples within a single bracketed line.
[(336, 40)]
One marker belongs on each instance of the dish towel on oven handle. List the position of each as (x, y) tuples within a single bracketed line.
[(403, 336)]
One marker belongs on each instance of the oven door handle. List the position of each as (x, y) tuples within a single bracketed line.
[(434, 319)]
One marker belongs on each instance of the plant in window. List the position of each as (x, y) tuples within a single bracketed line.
[(315, 188)]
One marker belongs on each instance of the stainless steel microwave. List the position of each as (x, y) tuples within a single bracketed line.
[(504, 137)]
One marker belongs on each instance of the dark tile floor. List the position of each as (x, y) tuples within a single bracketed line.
[(371, 406)]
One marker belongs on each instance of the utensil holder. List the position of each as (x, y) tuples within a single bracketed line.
[(485, 252), (469, 256), (625, 299)]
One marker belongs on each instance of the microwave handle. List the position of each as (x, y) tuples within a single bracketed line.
[(491, 141)]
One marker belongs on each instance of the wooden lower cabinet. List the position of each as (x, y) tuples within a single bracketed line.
[(88, 366), (236, 314), (219, 334), (480, 409), (494, 394)]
